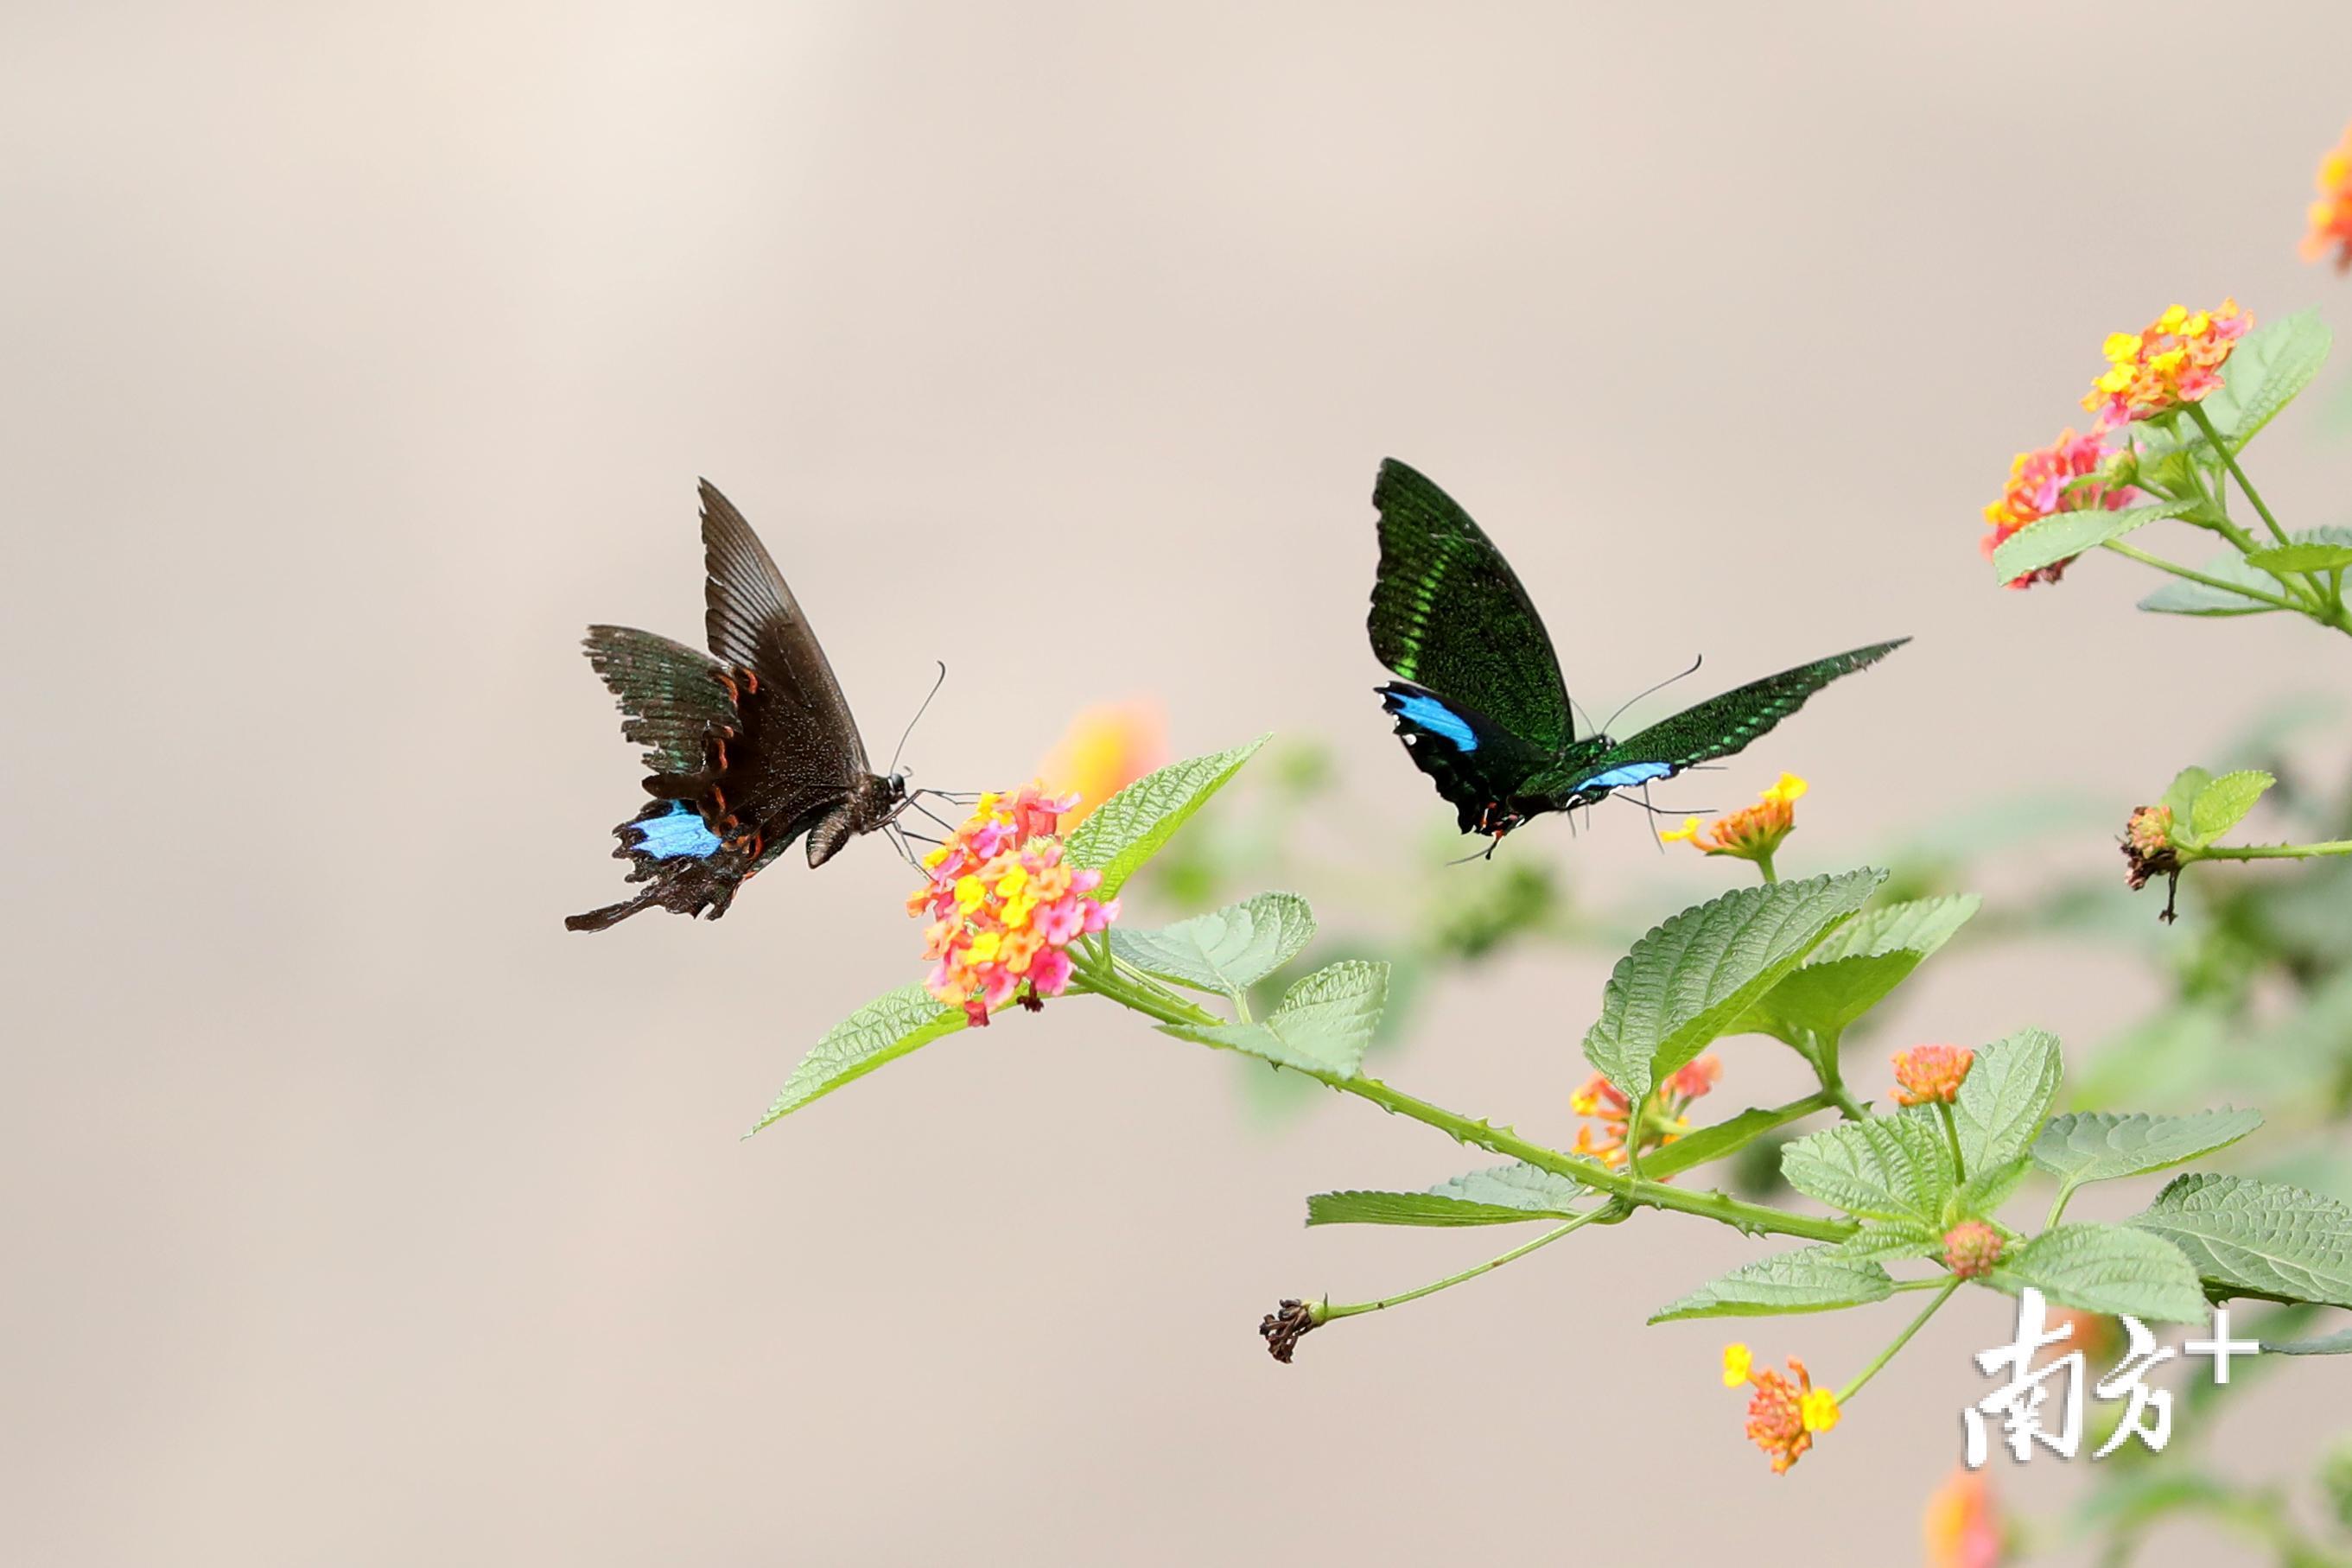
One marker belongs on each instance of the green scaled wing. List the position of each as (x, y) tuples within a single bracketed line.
[(1722, 726), (1449, 614)]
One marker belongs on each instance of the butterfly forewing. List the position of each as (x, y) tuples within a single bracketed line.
[(753, 621), (1449, 614), (1722, 726)]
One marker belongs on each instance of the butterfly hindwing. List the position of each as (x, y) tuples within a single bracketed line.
[(1720, 726), (1450, 616), (752, 746), (1475, 765)]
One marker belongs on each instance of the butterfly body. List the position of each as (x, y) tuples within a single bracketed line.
[(750, 747), (1482, 707)]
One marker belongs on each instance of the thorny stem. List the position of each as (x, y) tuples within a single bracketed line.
[(1156, 1001), (1850, 1389), (2266, 852), (1324, 1311)]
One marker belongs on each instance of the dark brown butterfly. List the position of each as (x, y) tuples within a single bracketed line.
[(752, 746)]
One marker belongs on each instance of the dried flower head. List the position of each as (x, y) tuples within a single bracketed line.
[(1004, 907), (2331, 214), (1283, 1328), (1751, 833), (1928, 1073), (2177, 359), (2149, 852), (2073, 474)]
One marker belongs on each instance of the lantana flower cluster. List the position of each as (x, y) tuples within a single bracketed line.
[(1752, 833), (2073, 474), (1931, 1074), (1004, 907), (1785, 1414), (2331, 214), (2177, 359), (1662, 1113)]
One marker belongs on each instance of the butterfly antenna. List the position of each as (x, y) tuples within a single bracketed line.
[(1578, 708), (1662, 685), (911, 723)]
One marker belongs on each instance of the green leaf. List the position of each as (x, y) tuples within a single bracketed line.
[(2180, 597), (2180, 796), (1855, 966), (1712, 1142), (883, 1031), (2107, 1146), (2107, 1269), (1227, 951), (2220, 805), (2257, 1237), (1127, 829), (1989, 1187), (2337, 1343), (1897, 1168), (2003, 1100), (1809, 1279), (1884, 1243), (2311, 557), (2065, 535), (1323, 1025), (1503, 1195), (1687, 980), (2270, 365)]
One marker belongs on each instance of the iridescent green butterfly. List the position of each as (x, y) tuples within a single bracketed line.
[(1481, 705)]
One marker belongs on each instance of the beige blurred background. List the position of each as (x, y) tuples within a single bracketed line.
[(356, 357)]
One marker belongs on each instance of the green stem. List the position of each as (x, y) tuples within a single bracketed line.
[(1764, 864), (1324, 1312), (1822, 1053), (1850, 1389), (1951, 1137), (2268, 851), (2230, 461), (2058, 1206), (2133, 552), (1156, 1001)]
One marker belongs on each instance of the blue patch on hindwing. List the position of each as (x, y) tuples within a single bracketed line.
[(677, 833), (1628, 775), (1438, 719)]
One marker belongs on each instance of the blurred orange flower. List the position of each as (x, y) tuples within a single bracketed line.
[(1962, 1524), (2331, 215), (1105, 749)]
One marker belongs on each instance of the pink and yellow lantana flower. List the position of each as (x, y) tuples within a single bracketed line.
[(2176, 361), (2073, 474), (1004, 907), (2331, 214)]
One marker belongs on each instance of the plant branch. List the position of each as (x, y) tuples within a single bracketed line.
[(1324, 1311), (2133, 552), (1850, 1389), (1156, 1002)]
